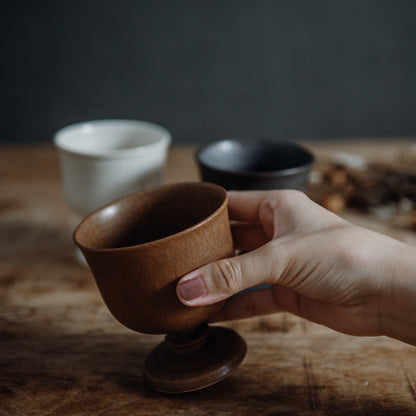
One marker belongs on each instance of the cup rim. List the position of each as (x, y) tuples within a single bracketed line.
[(62, 144), (261, 174), (159, 240)]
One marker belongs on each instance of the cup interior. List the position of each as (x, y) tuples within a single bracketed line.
[(150, 215), (253, 156), (111, 137)]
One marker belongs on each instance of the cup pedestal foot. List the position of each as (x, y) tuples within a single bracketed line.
[(194, 360)]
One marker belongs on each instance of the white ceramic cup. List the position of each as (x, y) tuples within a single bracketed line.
[(103, 160)]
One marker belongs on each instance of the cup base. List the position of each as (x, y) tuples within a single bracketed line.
[(182, 364)]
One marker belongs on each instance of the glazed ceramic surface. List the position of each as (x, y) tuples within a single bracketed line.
[(105, 159), (140, 245), (260, 163)]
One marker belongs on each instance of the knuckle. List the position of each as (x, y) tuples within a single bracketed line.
[(293, 197), (228, 275)]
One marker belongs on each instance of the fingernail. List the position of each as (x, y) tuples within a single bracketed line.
[(192, 289)]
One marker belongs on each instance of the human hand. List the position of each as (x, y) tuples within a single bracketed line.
[(321, 268)]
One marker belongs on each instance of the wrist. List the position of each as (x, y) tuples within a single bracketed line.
[(397, 306)]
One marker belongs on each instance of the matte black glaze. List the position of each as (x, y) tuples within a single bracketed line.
[(262, 163)]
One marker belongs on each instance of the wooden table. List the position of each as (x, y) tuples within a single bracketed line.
[(62, 353)]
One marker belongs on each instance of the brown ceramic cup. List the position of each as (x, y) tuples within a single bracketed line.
[(140, 245), (137, 249)]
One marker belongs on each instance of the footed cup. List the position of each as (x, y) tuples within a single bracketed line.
[(137, 248)]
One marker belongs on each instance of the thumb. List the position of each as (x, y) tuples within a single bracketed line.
[(217, 281)]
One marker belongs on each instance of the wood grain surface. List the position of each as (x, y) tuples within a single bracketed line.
[(62, 353)]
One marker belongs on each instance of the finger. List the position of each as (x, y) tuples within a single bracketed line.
[(254, 303), (278, 211), (248, 236), (219, 280), (244, 205), (347, 319), (276, 298)]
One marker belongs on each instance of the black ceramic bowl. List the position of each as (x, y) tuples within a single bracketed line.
[(243, 164)]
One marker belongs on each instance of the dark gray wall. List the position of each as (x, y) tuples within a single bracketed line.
[(211, 69)]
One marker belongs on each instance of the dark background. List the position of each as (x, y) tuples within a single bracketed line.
[(211, 69)]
